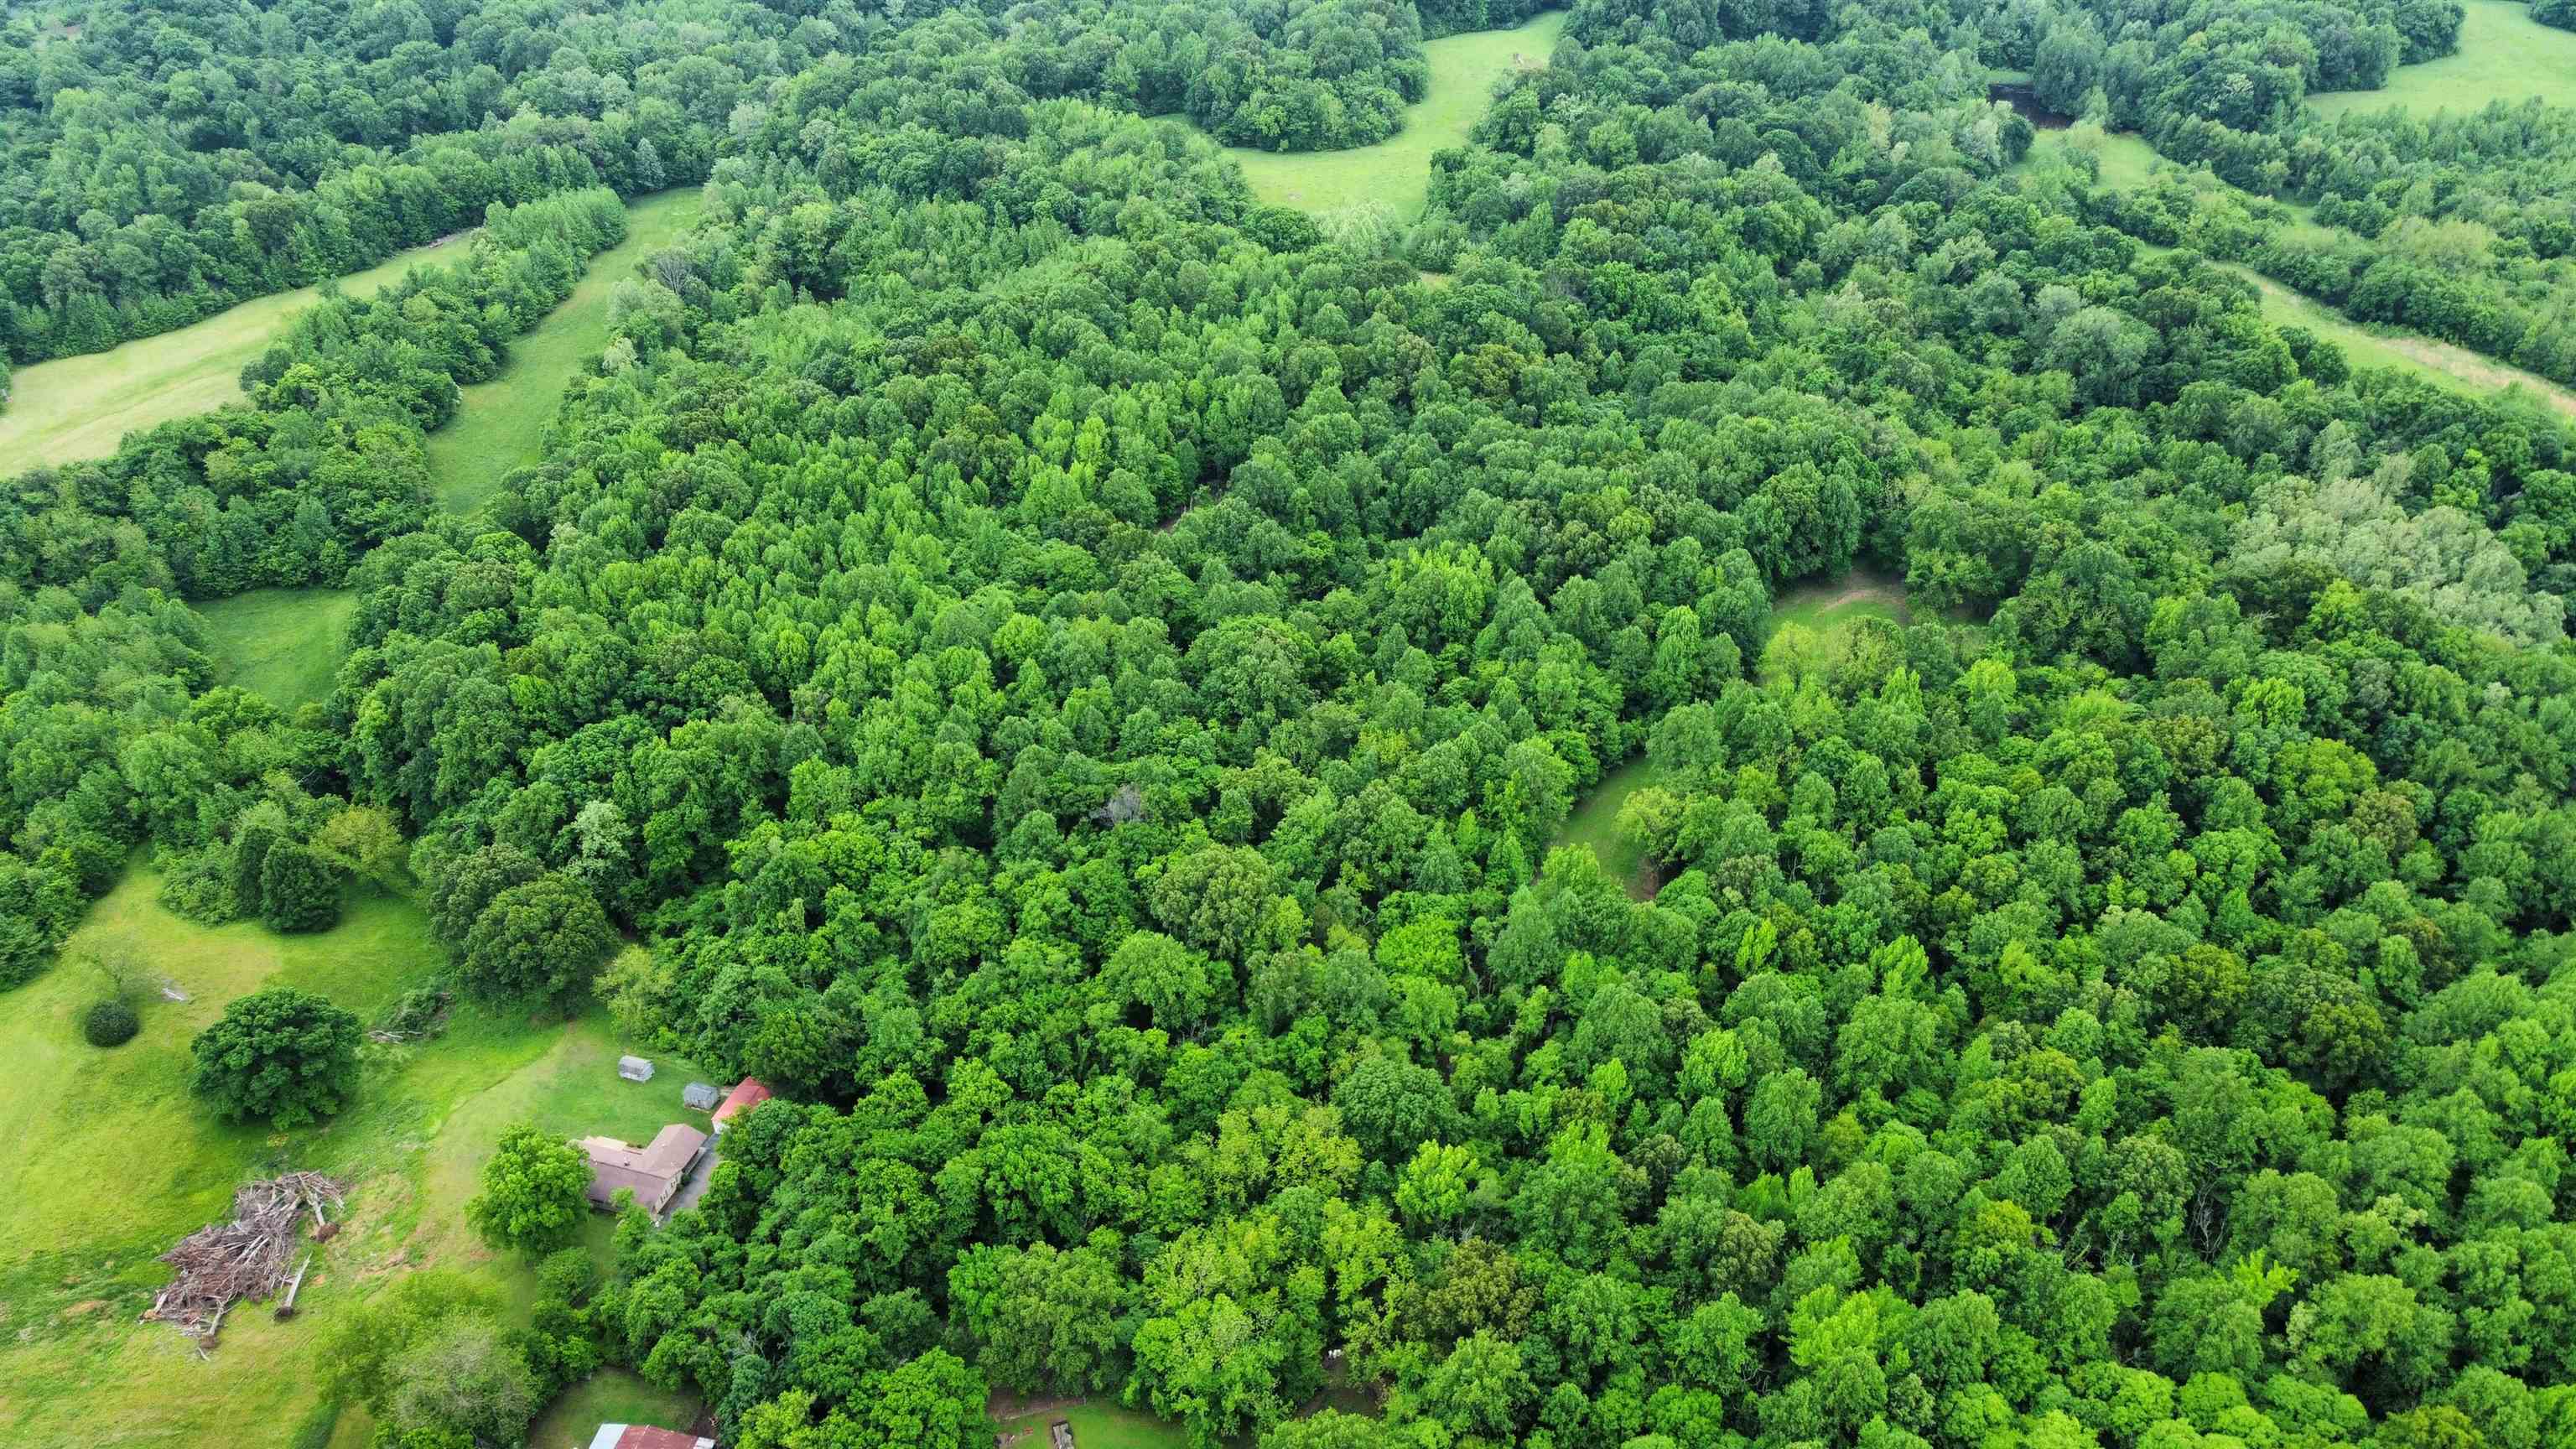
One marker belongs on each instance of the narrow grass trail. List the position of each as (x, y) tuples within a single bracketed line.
[(285, 645), (2127, 161), (1595, 823), (500, 424), (77, 408), (1396, 172), (2504, 55)]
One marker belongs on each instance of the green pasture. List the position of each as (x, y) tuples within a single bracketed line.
[(2504, 55), (74, 408), (284, 645), (1396, 173), (113, 1160)]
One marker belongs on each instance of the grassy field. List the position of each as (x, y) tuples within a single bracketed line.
[(112, 1160), (1595, 823), (501, 424), (1824, 607), (80, 407), (1095, 1426), (2504, 55), (2126, 162), (1396, 173), (1809, 621), (283, 645)]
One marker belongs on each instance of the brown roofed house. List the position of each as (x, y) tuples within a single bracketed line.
[(747, 1094), (651, 1172)]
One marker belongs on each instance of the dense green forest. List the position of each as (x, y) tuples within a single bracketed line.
[(1078, 680)]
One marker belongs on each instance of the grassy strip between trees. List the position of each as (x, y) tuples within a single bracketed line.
[(113, 1160), (284, 645), (2127, 163), (1396, 173), (80, 407), (281, 644), (500, 424), (1095, 1426)]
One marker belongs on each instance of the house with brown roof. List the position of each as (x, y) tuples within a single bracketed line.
[(747, 1094), (652, 1172), (645, 1436)]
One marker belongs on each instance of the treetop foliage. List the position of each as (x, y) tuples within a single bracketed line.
[(1078, 680)]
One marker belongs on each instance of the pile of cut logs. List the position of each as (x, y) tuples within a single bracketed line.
[(222, 1263)]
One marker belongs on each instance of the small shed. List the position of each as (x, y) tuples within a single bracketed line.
[(700, 1096), (635, 1069), (1060, 1434), (747, 1094)]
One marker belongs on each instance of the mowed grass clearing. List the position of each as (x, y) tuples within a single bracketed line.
[(1095, 1426), (1812, 623), (610, 1396), (1595, 824), (1396, 173), (501, 424), (1837, 604), (113, 1159), (284, 645), (74, 408), (2504, 55)]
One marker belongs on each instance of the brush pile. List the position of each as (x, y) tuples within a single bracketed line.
[(223, 1263)]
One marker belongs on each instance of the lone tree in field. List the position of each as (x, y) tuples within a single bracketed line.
[(541, 941), (533, 1192), (282, 1054)]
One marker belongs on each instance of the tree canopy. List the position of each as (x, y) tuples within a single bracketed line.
[(1080, 681)]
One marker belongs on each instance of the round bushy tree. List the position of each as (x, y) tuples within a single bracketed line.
[(466, 1380), (536, 942), (282, 1054), (458, 894), (534, 1190), (110, 1023), (298, 889)]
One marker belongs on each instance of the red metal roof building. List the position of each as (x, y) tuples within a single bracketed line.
[(747, 1094), (645, 1436)]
